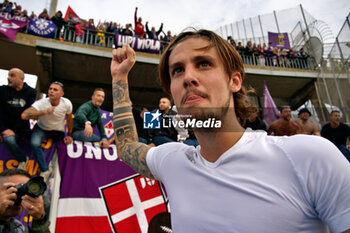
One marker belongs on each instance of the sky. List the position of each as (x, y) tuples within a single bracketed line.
[(180, 14)]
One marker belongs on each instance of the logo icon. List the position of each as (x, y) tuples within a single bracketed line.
[(42, 24), (151, 120), (109, 130)]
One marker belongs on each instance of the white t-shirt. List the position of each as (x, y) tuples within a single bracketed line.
[(262, 184), (53, 121)]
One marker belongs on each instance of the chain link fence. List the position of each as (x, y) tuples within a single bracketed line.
[(334, 92)]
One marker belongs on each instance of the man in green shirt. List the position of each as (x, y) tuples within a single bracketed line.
[(87, 116)]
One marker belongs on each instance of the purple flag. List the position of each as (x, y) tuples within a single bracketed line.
[(84, 167), (10, 25), (279, 40), (42, 27), (8, 161), (138, 44), (270, 111)]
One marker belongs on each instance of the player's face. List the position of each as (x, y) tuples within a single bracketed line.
[(199, 81), (98, 98)]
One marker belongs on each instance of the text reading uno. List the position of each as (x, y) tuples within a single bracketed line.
[(90, 150)]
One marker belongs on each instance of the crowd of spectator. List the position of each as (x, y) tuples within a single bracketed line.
[(86, 31), (267, 55), (103, 34)]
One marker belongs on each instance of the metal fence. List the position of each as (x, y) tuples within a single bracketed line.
[(107, 39), (88, 37), (255, 29), (335, 92), (301, 27), (279, 61), (331, 59)]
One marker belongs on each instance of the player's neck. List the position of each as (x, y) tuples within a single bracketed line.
[(215, 143)]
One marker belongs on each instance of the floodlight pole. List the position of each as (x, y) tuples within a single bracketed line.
[(226, 31), (245, 32), (239, 36), (53, 6), (251, 26), (262, 31), (278, 27), (232, 30)]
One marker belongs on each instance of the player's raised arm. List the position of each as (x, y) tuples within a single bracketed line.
[(129, 149)]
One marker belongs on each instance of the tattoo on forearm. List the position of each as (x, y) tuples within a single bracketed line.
[(131, 151), (124, 129), (120, 92), (134, 150)]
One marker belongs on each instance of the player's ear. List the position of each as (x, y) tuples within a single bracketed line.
[(235, 82)]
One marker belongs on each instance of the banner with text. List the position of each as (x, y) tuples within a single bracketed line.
[(42, 27), (85, 167), (279, 40), (10, 25), (138, 44)]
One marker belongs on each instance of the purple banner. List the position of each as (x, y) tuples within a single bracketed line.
[(84, 167), (42, 27), (279, 40), (138, 44), (10, 25), (8, 161)]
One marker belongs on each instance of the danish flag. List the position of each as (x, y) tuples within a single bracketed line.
[(132, 202)]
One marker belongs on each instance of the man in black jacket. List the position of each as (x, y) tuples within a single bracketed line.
[(168, 134), (14, 99), (59, 22)]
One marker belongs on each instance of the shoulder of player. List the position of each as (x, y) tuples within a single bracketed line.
[(301, 145), (171, 148)]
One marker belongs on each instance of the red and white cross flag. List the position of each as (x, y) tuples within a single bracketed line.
[(132, 202)]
